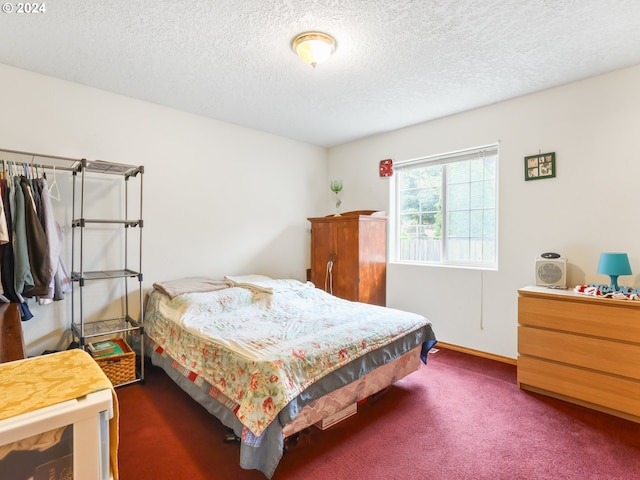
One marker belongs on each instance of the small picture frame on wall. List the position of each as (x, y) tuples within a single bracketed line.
[(537, 167)]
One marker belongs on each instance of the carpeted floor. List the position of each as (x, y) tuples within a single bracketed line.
[(460, 417)]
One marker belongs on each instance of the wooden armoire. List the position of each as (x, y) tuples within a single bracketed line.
[(349, 255)]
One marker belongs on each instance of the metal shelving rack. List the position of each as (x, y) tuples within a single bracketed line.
[(125, 325)]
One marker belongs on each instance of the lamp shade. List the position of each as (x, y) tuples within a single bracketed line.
[(614, 264)]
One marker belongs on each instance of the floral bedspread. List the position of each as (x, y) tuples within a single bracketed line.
[(262, 349)]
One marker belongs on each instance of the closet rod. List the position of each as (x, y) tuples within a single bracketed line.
[(75, 162)]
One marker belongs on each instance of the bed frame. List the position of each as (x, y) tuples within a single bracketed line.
[(267, 452)]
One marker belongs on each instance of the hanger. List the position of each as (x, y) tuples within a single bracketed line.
[(53, 185)]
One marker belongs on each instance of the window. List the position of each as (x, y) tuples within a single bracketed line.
[(445, 209)]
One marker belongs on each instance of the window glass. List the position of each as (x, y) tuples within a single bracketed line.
[(445, 209)]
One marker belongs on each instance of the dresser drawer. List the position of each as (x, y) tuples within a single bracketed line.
[(588, 352), (611, 392), (612, 319)]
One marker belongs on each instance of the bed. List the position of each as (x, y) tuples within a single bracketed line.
[(270, 357)]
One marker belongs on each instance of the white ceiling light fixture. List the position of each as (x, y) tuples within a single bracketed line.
[(313, 47)]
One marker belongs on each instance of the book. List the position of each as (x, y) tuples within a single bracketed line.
[(101, 348), (115, 348)]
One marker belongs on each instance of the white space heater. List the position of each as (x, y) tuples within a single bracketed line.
[(551, 271)]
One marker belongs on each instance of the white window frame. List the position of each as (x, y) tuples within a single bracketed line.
[(442, 159)]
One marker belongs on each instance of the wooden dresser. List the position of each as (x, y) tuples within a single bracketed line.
[(582, 349), (356, 244)]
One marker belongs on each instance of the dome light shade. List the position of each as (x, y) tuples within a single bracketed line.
[(313, 47)]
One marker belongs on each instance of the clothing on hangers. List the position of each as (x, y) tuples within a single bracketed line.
[(30, 238)]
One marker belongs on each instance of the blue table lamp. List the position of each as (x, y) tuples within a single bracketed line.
[(614, 264)]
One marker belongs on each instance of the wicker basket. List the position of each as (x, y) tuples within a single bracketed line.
[(119, 368)]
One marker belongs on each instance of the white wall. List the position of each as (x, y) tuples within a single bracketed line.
[(590, 206), (218, 199), (223, 199)]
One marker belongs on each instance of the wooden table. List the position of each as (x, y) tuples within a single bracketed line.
[(11, 340)]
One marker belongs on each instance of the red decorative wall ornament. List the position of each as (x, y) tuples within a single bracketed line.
[(386, 168)]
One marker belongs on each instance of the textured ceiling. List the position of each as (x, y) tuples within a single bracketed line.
[(397, 63)]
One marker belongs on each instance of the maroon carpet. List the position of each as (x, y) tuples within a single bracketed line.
[(460, 417)]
